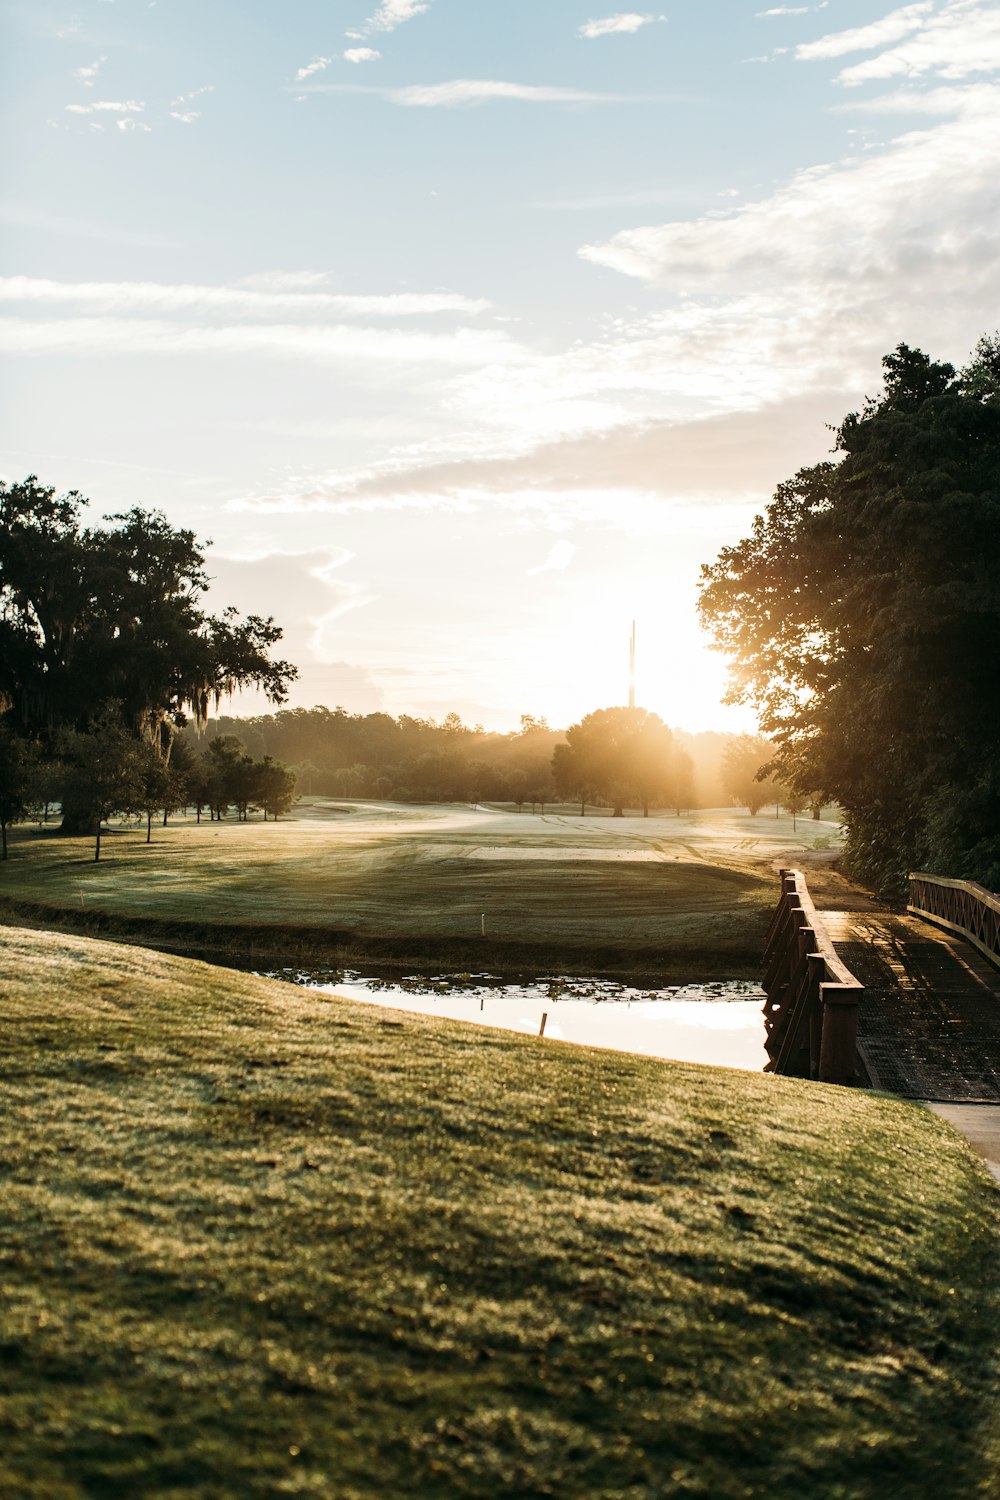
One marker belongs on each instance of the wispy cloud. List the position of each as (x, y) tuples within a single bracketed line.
[(88, 73), (285, 281), (792, 10), (295, 296), (392, 13), (890, 28), (113, 106), (325, 343), (318, 65), (129, 122), (206, 88), (470, 91), (625, 22), (361, 54)]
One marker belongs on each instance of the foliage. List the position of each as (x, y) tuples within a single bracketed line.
[(104, 773), (18, 780), (746, 758), (616, 755), (90, 615), (862, 615)]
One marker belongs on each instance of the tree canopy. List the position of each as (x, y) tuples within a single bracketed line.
[(862, 616), (617, 755), (92, 615)]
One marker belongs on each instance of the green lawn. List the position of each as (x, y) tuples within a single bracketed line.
[(259, 1242), (675, 898)]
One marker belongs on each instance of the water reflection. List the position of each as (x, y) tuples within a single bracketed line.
[(716, 1022)]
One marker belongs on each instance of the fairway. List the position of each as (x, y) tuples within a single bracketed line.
[(677, 898), (260, 1242)]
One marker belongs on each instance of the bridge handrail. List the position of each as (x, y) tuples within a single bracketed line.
[(961, 906), (811, 1009)]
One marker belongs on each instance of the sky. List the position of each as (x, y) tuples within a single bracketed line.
[(468, 330)]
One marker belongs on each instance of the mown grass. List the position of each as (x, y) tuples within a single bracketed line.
[(259, 1242), (678, 898)]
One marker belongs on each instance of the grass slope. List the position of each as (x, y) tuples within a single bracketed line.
[(258, 1242), (683, 898)]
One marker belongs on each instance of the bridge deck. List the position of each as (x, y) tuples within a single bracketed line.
[(929, 1025)]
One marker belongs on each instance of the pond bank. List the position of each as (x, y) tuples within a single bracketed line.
[(248, 944)]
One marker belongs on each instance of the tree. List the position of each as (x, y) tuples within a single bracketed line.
[(92, 615), (618, 754), (862, 616), (681, 794), (18, 776), (648, 767), (274, 787), (104, 773), (743, 760), (153, 784), (222, 770)]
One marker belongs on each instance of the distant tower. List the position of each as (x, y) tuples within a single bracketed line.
[(631, 669)]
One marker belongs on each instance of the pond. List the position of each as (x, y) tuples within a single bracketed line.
[(719, 1023)]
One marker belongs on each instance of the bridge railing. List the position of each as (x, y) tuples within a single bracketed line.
[(811, 1010), (961, 906)]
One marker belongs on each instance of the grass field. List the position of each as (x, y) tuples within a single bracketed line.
[(258, 1242), (673, 898)]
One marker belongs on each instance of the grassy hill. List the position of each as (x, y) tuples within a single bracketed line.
[(260, 1242), (679, 898)]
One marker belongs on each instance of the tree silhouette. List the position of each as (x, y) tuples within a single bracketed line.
[(94, 615), (862, 615)]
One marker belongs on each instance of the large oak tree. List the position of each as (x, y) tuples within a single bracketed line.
[(862, 616)]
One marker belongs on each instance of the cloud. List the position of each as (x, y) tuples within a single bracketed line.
[(792, 10), (150, 296), (317, 65), (120, 107), (361, 54), (891, 28), (478, 90), (130, 123), (336, 343), (808, 287), (285, 281), (735, 456), (392, 13), (186, 117), (960, 41), (624, 22), (87, 74), (560, 555), (305, 593), (207, 88)]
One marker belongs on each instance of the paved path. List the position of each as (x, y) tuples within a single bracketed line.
[(929, 1027), (980, 1124)]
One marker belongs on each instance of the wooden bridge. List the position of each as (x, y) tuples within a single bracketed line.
[(904, 1002)]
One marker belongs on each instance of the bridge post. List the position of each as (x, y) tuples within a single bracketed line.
[(817, 969), (839, 1035)]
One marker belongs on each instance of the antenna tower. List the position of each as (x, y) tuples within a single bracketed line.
[(631, 669)]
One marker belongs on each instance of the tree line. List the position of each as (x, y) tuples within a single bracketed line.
[(616, 757)]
